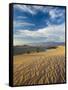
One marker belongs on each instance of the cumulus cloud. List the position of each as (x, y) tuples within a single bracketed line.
[(51, 30), (51, 33), (55, 12), (39, 16), (38, 24)]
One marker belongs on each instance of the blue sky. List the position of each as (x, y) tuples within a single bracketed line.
[(33, 24)]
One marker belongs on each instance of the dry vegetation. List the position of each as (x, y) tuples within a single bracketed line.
[(40, 68)]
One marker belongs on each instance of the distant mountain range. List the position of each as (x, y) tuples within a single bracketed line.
[(42, 44), (33, 47)]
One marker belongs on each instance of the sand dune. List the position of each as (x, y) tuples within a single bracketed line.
[(40, 68)]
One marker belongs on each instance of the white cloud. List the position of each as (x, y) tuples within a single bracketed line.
[(51, 33), (19, 23), (18, 41), (56, 13), (52, 13), (21, 17), (33, 9), (25, 8), (54, 29)]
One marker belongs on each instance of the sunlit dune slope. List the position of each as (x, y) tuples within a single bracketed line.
[(40, 68)]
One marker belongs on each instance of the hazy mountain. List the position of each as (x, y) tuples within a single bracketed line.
[(32, 47), (46, 44)]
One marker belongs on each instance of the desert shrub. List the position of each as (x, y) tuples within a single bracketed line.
[(37, 50), (28, 52)]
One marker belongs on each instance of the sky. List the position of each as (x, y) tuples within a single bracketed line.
[(34, 24)]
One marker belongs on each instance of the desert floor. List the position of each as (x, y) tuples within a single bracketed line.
[(40, 68)]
